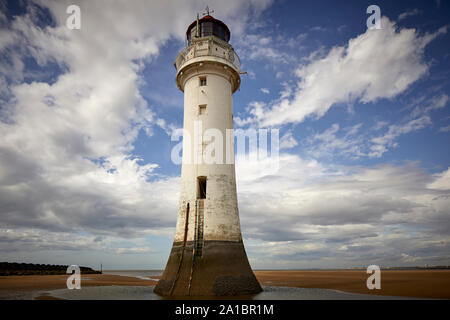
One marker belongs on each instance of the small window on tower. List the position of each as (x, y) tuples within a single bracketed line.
[(202, 109), (202, 81)]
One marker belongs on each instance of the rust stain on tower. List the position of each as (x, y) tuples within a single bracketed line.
[(208, 256)]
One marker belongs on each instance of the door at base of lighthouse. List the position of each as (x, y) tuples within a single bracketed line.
[(200, 226), (201, 187), (200, 212)]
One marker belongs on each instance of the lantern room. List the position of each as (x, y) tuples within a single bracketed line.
[(206, 27)]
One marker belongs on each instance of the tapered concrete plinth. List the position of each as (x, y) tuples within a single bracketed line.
[(223, 269)]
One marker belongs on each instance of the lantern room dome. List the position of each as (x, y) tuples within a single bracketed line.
[(208, 26)]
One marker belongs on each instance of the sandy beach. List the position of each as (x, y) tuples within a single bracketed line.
[(405, 283), (20, 284), (411, 283)]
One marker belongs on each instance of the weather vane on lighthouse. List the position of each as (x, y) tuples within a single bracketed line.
[(208, 11), (208, 256)]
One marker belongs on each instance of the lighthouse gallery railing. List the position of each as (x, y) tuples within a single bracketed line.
[(230, 56)]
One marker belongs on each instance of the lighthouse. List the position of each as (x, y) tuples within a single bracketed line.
[(208, 256)]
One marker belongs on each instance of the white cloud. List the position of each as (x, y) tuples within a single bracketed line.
[(377, 64), (328, 144), (409, 13), (445, 129), (380, 124), (262, 45), (318, 28), (133, 250), (29, 240), (381, 144), (442, 181), (288, 141), (438, 102), (265, 90), (425, 106), (308, 214), (408, 258), (258, 47), (354, 143)]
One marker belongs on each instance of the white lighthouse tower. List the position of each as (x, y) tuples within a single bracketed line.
[(208, 255)]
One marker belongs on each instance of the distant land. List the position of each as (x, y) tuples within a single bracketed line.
[(361, 268), (24, 269)]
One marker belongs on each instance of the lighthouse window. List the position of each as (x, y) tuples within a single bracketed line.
[(206, 29), (219, 31), (202, 81), (201, 187), (202, 109)]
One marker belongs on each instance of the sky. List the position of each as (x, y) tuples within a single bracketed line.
[(86, 118)]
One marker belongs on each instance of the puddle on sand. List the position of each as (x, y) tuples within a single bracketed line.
[(269, 293)]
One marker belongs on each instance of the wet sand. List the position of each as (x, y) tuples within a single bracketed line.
[(405, 283), (17, 285), (411, 283)]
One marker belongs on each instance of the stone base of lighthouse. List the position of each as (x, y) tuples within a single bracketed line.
[(222, 269)]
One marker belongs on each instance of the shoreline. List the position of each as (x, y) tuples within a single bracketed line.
[(429, 284)]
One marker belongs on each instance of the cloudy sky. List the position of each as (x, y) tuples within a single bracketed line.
[(364, 118)]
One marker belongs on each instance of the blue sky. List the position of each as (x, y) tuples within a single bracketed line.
[(86, 117)]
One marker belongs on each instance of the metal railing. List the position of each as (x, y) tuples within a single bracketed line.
[(183, 57)]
